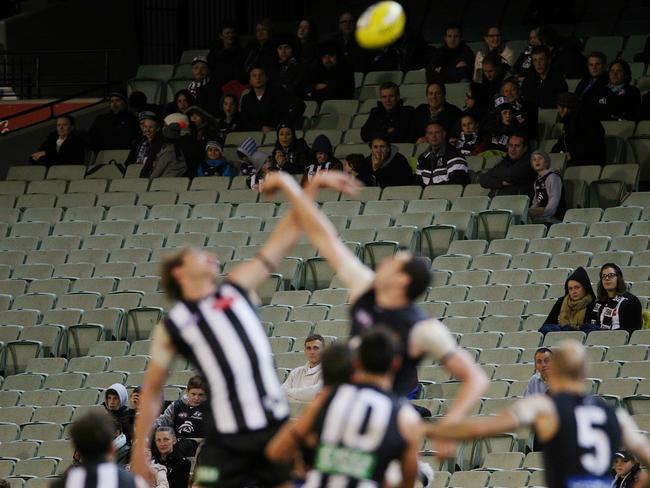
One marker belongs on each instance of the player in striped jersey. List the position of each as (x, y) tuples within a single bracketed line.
[(92, 437), (388, 296), (357, 428), (217, 327)]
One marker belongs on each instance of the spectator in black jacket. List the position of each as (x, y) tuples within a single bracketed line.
[(593, 84), (226, 58), (345, 39), (615, 307), (583, 136), (295, 151), (61, 147), (265, 107), (437, 109), (203, 87), (116, 129), (524, 111), (619, 100), (513, 174), (261, 51), (306, 42), (355, 165), (524, 62), (287, 71), (454, 61), (500, 127), (440, 163), (389, 167), (166, 454), (183, 99), (543, 84), (492, 74), (203, 125), (390, 117), (332, 78)]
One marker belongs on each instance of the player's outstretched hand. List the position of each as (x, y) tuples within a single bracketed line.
[(336, 180), (277, 180)]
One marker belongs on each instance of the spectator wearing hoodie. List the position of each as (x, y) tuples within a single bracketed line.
[(322, 158), (390, 117), (166, 156), (548, 204), (203, 125), (441, 163), (166, 453), (574, 309), (332, 78), (215, 163), (296, 151), (116, 401), (583, 136), (454, 61), (388, 166), (187, 417)]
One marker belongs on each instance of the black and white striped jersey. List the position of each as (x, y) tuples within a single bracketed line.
[(358, 437), (223, 336), (102, 475)]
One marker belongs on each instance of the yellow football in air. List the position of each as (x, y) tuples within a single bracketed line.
[(381, 24)]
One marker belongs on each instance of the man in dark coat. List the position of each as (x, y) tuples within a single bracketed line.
[(512, 175), (332, 78), (115, 130), (204, 88), (543, 84), (265, 107), (454, 61), (437, 109), (390, 117), (287, 71), (583, 136), (226, 58), (590, 86)]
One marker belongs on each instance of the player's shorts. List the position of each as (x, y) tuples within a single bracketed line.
[(238, 461)]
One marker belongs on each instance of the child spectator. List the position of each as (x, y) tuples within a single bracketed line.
[(548, 204), (187, 416), (269, 165), (215, 164), (468, 142)]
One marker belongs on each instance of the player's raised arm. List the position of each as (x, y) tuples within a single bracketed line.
[(162, 354), (431, 337), (320, 230)]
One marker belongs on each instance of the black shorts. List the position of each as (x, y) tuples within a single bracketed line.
[(238, 461)]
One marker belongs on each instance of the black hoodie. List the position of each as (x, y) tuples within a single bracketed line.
[(580, 275)]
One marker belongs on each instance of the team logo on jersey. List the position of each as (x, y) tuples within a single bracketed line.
[(182, 415), (222, 303), (186, 428)]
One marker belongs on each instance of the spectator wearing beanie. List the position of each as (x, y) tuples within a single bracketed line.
[(548, 204), (115, 130), (501, 127), (150, 129), (574, 309), (205, 90), (215, 164), (204, 125), (332, 78)]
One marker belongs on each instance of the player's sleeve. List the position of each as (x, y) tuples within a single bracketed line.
[(528, 409), (357, 277), (433, 338), (162, 351), (630, 434)]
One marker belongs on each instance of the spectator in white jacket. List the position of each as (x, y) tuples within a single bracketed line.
[(304, 382)]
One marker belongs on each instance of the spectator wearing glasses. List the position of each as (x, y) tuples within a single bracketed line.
[(493, 45), (615, 307)]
